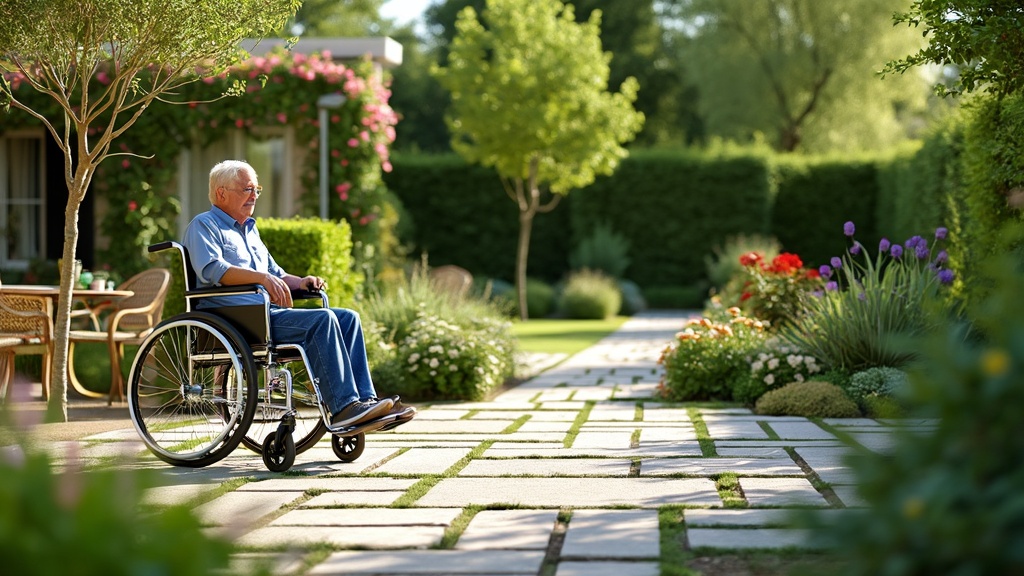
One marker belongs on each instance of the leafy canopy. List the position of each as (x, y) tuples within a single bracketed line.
[(983, 38), (529, 89)]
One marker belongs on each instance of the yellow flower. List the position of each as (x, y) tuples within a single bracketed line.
[(995, 362), (913, 508), (734, 311)]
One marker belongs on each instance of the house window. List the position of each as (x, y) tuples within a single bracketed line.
[(267, 152), (22, 181)]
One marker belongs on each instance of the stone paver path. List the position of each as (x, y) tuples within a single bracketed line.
[(564, 474)]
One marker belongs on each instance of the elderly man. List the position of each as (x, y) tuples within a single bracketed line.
[(225, 249)]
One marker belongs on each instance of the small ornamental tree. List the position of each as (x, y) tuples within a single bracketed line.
[(529, 98), (148, 48)]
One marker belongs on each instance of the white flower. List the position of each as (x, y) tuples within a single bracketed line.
[(756, 366), (773, 363), (414, 357), (813, 369), (436, 349), (799, 377), (453, 353), (769, 379), (434, 363), (794, 360), (452, 367)]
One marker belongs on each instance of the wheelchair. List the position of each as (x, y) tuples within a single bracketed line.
[(207, 380)]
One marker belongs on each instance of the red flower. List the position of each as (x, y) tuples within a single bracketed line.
[(132, 206), (746, 296), (786, 263), (750, 258), (813, 274)]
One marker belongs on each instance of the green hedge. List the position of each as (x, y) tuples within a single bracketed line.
[(815, 197), (302, 246), (461, 215), (674, 207)]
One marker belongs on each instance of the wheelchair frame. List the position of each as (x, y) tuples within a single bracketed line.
[(193, 390)]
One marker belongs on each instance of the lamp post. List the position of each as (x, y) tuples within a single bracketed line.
[(323, 104)]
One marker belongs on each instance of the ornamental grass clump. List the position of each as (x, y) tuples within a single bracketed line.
[(708, 356), (868, 304)]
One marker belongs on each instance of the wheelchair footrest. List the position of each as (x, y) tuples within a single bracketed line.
[(388, 421)]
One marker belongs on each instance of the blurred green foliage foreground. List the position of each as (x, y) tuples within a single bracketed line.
[(90, 523)]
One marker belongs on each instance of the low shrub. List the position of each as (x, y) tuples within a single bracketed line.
[(445, 361), (707, 357), (603, 250), (400, 322), (811, 399), (590, 295), (540, 298), (776, 365), (881, 381)]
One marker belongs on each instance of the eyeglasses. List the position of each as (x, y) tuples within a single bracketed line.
[(250, 190)]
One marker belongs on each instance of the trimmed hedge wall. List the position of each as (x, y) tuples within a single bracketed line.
[(461, 215), (674, 208), (815, 197)]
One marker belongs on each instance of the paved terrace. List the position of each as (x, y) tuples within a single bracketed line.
[(535, 497)]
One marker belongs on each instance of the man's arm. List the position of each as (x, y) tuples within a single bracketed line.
[(278, 289)]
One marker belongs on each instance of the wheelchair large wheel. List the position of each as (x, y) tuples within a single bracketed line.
[(309, 426), (186, 414)]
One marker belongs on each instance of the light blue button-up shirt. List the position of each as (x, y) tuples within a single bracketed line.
[(215, 242)]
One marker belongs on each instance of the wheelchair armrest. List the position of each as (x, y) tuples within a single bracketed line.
[(223, 290), (311, 295)]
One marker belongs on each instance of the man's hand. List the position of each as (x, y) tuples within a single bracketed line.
[(278, 290), (312, 283)]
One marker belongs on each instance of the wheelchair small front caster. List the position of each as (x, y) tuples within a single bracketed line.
[(278, 456), (348, 448)]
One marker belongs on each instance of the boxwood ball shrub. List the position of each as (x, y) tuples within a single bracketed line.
[(589, 295), (812, 399), (881, 381)]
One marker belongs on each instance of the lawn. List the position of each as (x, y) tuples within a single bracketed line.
[(561, 335)]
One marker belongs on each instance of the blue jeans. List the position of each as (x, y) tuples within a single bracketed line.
[(333, 340)]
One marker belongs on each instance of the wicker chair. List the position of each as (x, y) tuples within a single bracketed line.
[(26, 327), (451, 279), (128, 321)]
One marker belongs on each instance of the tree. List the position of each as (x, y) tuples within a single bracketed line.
[(984, 39), (103, 62), (529, 98), (801, 72)]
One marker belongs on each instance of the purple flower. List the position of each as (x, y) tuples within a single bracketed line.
[(921, 251), (883, 246), (837, 262), (946, 276), (855, 249), (825, 270), (896, 251), (832, 286), (941, 257), (849, 229), (913, 242), (862, 296), (940, 233)]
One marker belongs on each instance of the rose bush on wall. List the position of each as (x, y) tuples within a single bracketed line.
[(281, 89)]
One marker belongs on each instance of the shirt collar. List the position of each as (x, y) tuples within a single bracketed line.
[(227, 220)]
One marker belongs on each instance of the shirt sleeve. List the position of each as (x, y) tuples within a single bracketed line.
[(205, 250)]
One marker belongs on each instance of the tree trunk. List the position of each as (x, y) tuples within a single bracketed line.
[(522, 254), (57, 408)]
